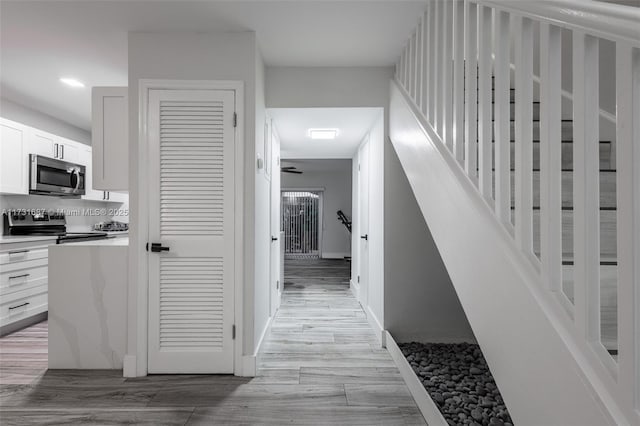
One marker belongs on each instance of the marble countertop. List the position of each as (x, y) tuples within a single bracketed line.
[(116, 233), (9, 239), (107, 242), (14, 239)]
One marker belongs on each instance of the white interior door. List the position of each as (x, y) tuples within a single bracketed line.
[(275, 282), (363, 216), (191, 204)]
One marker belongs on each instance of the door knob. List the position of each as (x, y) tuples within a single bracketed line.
[(365, 237), (157, 247), (274, 238)]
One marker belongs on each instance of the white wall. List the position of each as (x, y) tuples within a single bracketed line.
[(191, 56), (420, 301), (25, 115), (291, 87), (334, 176)]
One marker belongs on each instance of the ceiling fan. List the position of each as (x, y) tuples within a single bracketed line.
[(290, 169)]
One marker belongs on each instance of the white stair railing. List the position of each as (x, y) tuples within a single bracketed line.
[(447, 69)]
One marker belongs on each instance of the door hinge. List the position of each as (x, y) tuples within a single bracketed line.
[(358, 278), (235, 119), (233, 332), (277, 284)]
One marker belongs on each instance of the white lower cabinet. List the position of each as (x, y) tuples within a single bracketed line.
[(23, 304), (23, 281)]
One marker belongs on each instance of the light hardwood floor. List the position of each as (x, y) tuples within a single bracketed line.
[(320, 364)]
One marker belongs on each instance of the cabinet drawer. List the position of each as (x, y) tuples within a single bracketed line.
[(21, 255), (23, 304), (23, 275)]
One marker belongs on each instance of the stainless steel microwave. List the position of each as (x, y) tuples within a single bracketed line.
[(48, 176)]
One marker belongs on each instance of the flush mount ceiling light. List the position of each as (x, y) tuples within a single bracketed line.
[(72, 82), (323, 133)]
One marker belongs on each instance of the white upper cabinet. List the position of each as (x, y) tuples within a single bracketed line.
[(14, 164), (69, 150), (42, 143), (110, 139), (17, 141), (90, 193)]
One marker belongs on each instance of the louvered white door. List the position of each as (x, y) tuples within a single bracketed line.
[(191, 195)]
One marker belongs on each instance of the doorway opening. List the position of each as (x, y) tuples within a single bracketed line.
[(301, 219), (328, 203)]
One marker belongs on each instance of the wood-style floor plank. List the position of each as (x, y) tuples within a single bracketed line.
[(321, 364), (312, 416)]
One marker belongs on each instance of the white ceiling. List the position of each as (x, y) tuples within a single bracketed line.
[(41, 41), (293, 124)]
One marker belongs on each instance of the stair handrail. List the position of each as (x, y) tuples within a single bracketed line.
[(606, 20), (344, 220)]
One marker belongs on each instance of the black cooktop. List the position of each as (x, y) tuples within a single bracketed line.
[(71, 237)]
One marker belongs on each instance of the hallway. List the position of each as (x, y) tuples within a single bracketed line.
[(321, 336), (320, 364)]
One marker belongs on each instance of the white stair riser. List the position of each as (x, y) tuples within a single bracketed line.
[(566, 131), (608, 242), (607, 189), (566, 155)]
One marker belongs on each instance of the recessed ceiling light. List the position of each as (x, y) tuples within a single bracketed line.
[(323, 133), (72, 82)]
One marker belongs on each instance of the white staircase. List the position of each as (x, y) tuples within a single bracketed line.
[(535, 208)]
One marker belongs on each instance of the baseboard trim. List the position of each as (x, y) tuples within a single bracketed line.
[(422, 338), (23, 323), (375, 324), (425, 404), (248, 366), (355, 289), (265, 331), (129, 366), (250, 362)]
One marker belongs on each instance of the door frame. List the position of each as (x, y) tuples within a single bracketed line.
[(320, 191), (140, 335), (363, 286), (275, 288)]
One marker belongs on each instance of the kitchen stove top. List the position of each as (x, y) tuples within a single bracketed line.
[(71, 237), (39, 223)]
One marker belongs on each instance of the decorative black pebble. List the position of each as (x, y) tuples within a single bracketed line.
[(459, 381)]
